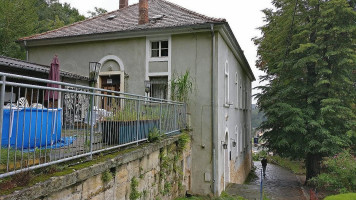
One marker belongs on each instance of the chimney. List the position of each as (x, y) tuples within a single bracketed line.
[(124, 4), (143, 12)]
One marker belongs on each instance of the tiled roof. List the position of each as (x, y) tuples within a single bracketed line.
[(162, 14), (20, 64)]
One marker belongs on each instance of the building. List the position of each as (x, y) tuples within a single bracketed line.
[(152, 41), (23, 68)]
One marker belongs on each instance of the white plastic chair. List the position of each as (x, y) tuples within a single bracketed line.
[(22, 102), (37, 105), (10, 105)]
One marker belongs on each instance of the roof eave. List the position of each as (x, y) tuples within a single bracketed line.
[(228, 35), (40, 69), (118, 35)]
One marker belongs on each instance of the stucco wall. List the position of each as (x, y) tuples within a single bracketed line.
[(76, 57), (233, 120), (193, 52)]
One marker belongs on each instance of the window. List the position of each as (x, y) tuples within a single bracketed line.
[(240, 140), (237, 89), (159, 87), (240, 93), (227, 83), (237, 139), (159, 49)]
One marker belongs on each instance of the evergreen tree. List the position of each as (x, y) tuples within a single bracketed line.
[(308, 53), (97, 11)]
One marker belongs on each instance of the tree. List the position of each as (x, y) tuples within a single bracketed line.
[(97, 11), (307, 51), (20, 18), (257, 118), (52, 15), (17, 19)]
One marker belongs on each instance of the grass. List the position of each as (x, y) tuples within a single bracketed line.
[(347, 196), (251, 176), (296, 167)]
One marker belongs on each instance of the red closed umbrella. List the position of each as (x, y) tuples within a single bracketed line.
[(53, 76)]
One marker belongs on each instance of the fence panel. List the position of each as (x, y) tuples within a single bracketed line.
[(42, 125)]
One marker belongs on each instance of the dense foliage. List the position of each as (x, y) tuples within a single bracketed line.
[(20, 18), (181, 87), (307, 51), (339, 175)]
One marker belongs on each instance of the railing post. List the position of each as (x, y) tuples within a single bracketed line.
[(261, 188), (175, 116), (138, 120), (160, 116), (185, 116), (2, 99), (91, 123)]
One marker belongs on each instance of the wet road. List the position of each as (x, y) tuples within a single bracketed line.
[(278, 184)]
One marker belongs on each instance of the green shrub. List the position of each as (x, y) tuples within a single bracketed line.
[(259, 155), (135, 194), (348, 196), (181, 87), (183, 140), (106, 176), (155, 135), (340, 173)]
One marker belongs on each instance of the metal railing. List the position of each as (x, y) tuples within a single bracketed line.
[(42, 125)]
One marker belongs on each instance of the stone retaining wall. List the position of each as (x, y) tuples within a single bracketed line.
[(155, 171)]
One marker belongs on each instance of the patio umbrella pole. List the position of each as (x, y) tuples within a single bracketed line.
[(91, 109)]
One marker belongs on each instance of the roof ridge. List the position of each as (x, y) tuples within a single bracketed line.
[(193, 12), (19, 60), (44, 67), (75, 23)]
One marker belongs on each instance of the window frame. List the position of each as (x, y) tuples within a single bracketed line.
[(159, 48), (227, 84), (152, 82), (237, 90)]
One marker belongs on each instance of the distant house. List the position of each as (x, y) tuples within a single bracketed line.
[(151, 41), (24, 68)]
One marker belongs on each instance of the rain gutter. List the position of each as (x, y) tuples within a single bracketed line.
[(213, 134)]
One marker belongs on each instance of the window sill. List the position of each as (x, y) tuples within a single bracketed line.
[(158, 59)]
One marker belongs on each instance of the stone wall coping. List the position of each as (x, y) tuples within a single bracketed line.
[(55, 184)]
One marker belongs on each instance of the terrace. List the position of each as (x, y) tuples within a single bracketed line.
[(39, 131)]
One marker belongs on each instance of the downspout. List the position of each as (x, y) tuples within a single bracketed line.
[(25, 43), (213, 110)]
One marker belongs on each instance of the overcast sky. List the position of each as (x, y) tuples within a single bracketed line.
[(244, 16)]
